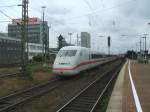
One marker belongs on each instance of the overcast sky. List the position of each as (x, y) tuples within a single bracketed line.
[(98, 17)]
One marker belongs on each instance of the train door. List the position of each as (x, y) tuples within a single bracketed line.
[(83, 57), (81, 54)]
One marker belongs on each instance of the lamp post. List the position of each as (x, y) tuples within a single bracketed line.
[(140, 45), (145, 43), (43, 37), (70, 36)]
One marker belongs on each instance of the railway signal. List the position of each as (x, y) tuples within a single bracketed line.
[(109, 44)]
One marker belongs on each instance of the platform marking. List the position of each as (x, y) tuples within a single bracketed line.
[(136, 98)]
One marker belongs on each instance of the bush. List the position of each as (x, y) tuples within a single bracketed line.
[(28, 71), (37, 58)]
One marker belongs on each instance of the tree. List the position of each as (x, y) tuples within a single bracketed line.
[(131, 54)]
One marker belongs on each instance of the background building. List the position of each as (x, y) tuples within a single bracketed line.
[(85, 39), (4, 34), (35, 26), (35, 34), (34, 50), (10, 51)]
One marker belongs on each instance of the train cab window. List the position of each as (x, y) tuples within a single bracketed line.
[(67, 53), (71, 53)]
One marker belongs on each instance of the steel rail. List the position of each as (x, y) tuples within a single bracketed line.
[(11, 101), (85, 95), (9, 74), (79, 94), (103, 92)]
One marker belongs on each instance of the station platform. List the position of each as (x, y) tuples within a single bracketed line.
[(132, 89)]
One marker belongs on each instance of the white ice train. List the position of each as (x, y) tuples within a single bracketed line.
[(71, 60)]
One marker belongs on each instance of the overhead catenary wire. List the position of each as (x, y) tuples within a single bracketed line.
[(6, 15), (9, 17), (4, 21), (95, 15), (104, 10), (9, 6), (87, 14), (95, 11), (13, 7)]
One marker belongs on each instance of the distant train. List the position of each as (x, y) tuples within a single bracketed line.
[(71, 60)]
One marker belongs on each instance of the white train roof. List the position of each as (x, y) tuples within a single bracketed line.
[(81, 48), (73, 48)]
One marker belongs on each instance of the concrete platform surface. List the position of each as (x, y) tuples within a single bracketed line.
[(132, 89), (141, 77), (115, 103)]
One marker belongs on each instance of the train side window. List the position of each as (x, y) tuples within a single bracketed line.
[(96, 56)]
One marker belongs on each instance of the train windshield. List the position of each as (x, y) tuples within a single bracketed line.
[(67, 53)]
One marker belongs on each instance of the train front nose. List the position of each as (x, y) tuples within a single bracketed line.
[(63, 68)]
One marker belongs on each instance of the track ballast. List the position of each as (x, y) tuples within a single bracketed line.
[(88, 98)]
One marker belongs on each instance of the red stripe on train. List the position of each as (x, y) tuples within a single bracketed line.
[(81, 64)]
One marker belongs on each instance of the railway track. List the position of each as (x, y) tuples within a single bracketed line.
[(89, 98), (9, 74), (2, 75), (11, 101)]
